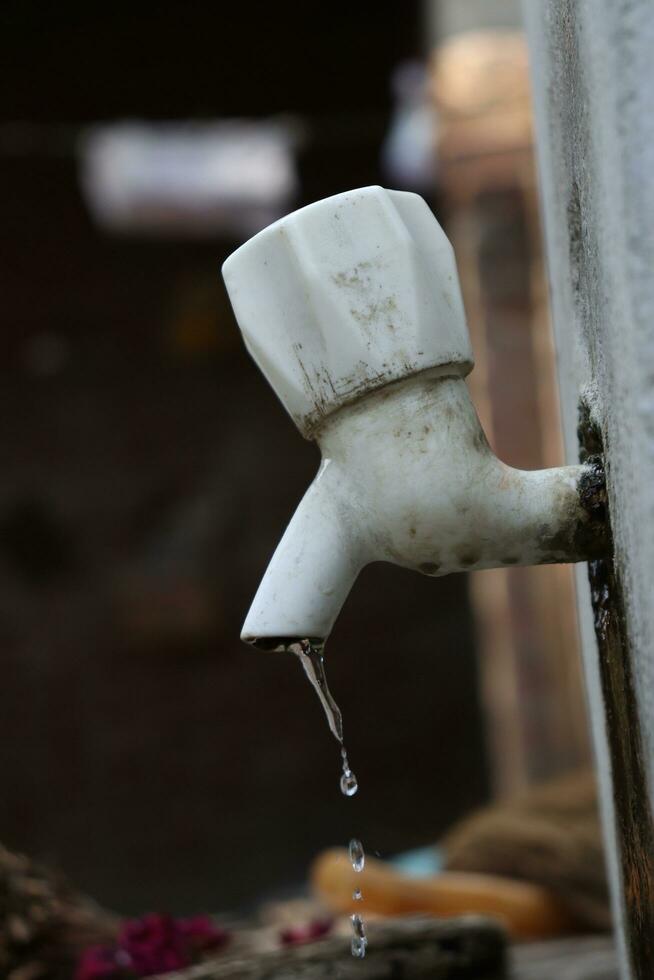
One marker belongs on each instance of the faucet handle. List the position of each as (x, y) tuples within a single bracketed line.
[(347, 295)]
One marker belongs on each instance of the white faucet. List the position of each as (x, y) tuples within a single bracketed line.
[(351, 307)]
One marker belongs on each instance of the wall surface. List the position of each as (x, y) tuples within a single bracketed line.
[(593, 76)]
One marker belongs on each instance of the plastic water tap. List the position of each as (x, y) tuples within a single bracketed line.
[(351, 307)]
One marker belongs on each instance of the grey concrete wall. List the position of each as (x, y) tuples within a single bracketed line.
[(593, 73)]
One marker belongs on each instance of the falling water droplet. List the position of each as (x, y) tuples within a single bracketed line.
[(357, 855), (358, 948), (349, 784), (359, 940), (356, 895)]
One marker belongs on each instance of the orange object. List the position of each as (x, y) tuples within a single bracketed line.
[(526, 911)]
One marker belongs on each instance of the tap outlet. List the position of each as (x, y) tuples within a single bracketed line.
[(352, 309)]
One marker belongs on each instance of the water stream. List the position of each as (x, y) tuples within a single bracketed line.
[(312, 660)]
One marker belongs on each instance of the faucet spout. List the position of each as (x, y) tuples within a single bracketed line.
[(312, 571), (409, 478)]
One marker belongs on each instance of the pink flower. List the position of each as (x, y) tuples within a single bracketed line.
[(308, 933), (150, 945), (100, 963), (153, 945)]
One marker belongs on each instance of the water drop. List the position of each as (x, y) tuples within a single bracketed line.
[(356, 895), (359, 940), (358, 948), (349, 784), (357, 855)]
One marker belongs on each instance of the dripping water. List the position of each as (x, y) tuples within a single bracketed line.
[(349, 784), (359, 938), (312, 660), (357, 856)]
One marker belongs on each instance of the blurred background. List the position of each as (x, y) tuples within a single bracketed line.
[(148, 471)]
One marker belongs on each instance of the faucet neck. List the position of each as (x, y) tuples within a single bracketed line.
[(426, 490), (422, 413)]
